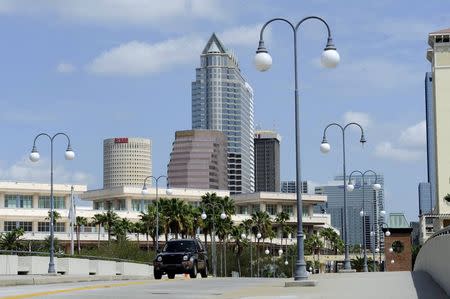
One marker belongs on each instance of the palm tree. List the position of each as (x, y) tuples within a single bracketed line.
[(111, 218), (80, 221), (239, 243), (56, 216), (10, 240), (281, 220), (149, 223), (173, 214), (223, 229), (313, 244), (263, 225), (121, 228), (327, 234), (99, 220), (207, 200)]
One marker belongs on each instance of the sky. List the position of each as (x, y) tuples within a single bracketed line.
[(98, 69)]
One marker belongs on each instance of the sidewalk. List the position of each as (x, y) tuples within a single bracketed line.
[(15, 280)]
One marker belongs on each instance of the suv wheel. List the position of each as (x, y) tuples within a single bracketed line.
[(157, 274), (193, 273), (171, 275), (204, 272)]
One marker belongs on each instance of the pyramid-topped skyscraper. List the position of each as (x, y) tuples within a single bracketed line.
[(222, 100)]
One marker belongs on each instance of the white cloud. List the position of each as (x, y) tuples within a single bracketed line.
[(25, 170), (360, 117), (138, 58), (113, 12), (414, 135), (65, 67), (244, 36), (386, 150)]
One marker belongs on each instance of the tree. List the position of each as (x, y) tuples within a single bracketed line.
[(148, 220), (239, 243), (56, 216), (281, 220), (263, 225), (98, 220), (313, 244), (121, 229), (111, 218), (173, 213), (10, 240), (80, 221)]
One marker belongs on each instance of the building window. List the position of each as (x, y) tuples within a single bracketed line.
[(243, 210), (98, 205), (255, 208), (136, 205), (60, 227), (18, 201), (44, 202), (288, 209), (11, 225), (271, 209)]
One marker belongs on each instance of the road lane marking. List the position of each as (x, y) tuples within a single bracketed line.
[(46, 293)]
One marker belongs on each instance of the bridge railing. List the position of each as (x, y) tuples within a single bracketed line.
[(434, 257)]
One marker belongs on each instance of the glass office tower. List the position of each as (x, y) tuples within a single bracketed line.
[(222, 100)]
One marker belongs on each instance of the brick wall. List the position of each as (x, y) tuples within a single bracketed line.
[(402, 260)]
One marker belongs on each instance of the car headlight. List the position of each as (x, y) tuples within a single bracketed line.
[(185, 258), (159, 258)]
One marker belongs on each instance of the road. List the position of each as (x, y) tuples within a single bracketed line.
[(351, 285)]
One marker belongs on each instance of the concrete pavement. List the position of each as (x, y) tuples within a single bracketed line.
[(351, 285)]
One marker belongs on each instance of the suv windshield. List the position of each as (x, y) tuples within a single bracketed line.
[(179, 246)]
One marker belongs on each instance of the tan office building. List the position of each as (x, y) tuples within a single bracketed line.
[(439, 56), (126, 161), (198, 160)]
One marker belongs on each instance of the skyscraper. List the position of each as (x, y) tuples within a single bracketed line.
[(431, 145), (374, 203), (425, 202), (439, 56), (222, 100), (290, 187), (126, 161), (267, 161), (198, 160)]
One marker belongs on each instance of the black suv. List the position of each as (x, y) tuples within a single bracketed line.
[(181, 256)]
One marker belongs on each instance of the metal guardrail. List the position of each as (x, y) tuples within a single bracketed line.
[(444, 231), (90, 257)]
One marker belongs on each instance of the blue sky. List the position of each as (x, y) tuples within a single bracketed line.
[(98, 69)]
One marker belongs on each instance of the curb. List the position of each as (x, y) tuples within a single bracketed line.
[(39, 280)]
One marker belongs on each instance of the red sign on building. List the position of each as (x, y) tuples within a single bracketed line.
[(121, 140)]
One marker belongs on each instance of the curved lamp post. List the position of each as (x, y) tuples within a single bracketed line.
[(350, 187), (213, 237), (145, 192), (325, 148), (34, 157), (387, 234), (263, 61)]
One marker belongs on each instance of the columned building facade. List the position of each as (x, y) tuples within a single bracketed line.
[(126, 161)]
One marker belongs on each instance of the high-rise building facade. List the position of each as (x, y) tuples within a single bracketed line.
[(290, 187), (425, 201), (439, 56), (267, 161), (198, 160), (222, 100), (126, 161), (374, 203)]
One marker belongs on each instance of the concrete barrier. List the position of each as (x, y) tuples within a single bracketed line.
[(97, 267), (434, 258), (9, 264), (73, 266), (34, 264), (124, 268)]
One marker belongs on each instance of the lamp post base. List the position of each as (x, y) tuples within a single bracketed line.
[(301, 283)]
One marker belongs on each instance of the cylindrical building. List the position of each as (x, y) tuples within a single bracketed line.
[(126, 161)]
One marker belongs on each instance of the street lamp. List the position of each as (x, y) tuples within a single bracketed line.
[(213, 205), (34, 157), (325, 148), (258, 237), (263, 61), (350, 187), (387, 234), (144, 191)]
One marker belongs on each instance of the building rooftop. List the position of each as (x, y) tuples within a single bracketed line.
[(398, 220)]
